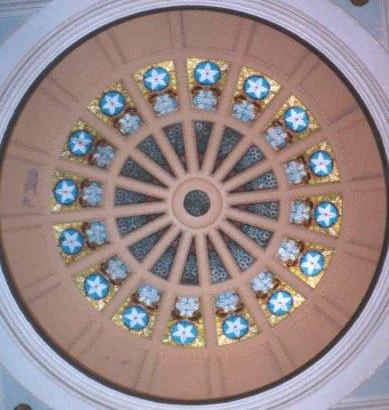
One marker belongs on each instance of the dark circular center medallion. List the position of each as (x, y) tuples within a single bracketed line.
[(197, 203)]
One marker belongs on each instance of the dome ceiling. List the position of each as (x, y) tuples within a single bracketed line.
[(193, 206)]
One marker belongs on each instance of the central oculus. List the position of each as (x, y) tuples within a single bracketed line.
[(197, 203)]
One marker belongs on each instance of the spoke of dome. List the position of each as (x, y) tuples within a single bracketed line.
[(368, 184), (363, 251), (20, 150), (168, 151), (305, 191), (213, 147), (42, 288), (83, 215), (141, 187), (297, 231), (57, 93), (253, 219), (232, 159), (163, 244), (20, 221), (246, 176), (224, 254), (254, 196), (148, 229), (240, 238), (180, 258), (155, 170), (86, 337), (140, 209), (202, 261)]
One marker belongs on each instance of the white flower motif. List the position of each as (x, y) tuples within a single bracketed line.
[(321, 163), (183, 332), (257, 87), (206, 74), (71, 240), (187, 306), (326, 214), (148, 295), (66, 191), (156, 78), (296, 118), (96, 286), (280, 303), (235, 327), (312, 263), (116, 269), (135, 318), (112, 103)]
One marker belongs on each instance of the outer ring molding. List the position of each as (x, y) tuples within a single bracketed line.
[(363, 62)]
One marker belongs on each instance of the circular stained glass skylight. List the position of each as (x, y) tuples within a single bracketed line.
[(191, 223)]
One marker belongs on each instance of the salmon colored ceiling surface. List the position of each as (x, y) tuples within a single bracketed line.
[(192, 205)]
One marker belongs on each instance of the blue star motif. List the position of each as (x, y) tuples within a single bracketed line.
[(156, 79), (65, 191), (312, 263), (112, 103), (71, 241), (280, 302), (235, 327), (256, 87), (321, 163), (135, 318), (326, 214), (80, 143), (207, 73), (296, 118), (183, 332), (96, 286)]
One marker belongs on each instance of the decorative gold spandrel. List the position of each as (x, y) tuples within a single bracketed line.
[(198, 342), (312, 281), (58, 229), (116, 86), (79, 280), (246, 72), (80, 126), (118, 318), (223, 340), (191, 64), (337, 200), (313, 124), (297, 301), (58, 175), (334, 175), (168, 66)]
